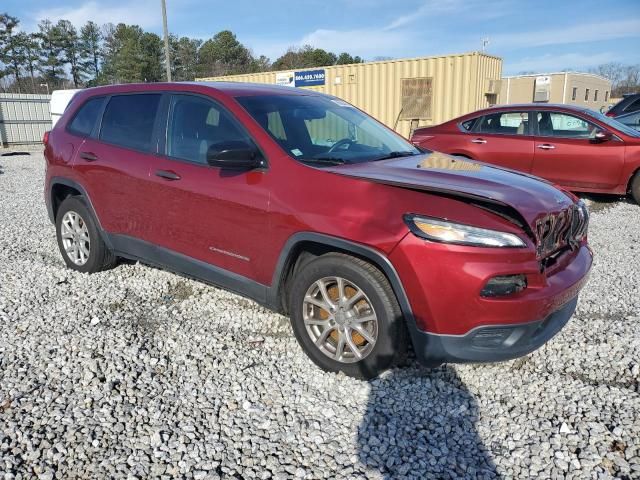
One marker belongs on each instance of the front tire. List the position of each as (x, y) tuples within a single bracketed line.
[(79, 240), (635, 187), (346, 317)]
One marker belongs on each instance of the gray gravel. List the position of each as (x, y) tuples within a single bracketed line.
[(138, 373)]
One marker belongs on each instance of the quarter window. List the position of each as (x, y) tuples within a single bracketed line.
[(468, 125), (128, 120), (555, 124), (195, 125), (505, 123), (85, 119)]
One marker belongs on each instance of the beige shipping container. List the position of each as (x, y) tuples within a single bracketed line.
[(573, 88), (405, 93)]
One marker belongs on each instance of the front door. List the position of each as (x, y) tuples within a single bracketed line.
[(207, 213), (566, 154)]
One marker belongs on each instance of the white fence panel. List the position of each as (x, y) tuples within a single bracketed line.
[(23, 118)]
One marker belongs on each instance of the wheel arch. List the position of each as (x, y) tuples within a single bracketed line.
[(61, 188), (634, 174), (304, 246)]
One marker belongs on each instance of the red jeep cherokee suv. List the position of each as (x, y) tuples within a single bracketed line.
[(307, 205)]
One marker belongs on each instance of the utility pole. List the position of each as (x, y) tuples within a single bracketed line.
[(485, 43), (167, 56)]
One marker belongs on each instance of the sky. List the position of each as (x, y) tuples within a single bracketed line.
[(535, 36)]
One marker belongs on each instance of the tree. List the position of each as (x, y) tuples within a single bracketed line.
[(71, 50), (224, 55), (90, 49), (624, 78), (151, 58), (261, 64), (306, 57), (344, 59), (131, 55), (50, 45), (184, 53), (11, 50)]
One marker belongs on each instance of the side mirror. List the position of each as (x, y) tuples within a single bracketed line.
[(236, 155), (602, 136)]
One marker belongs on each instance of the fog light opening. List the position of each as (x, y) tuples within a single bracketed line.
[(490, 338), (503, 285)]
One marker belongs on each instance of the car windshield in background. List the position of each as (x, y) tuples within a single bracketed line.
[(612, 122), (323, 130)]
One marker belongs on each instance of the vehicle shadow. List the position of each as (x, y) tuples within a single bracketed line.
[(420, 423), (600, 201)]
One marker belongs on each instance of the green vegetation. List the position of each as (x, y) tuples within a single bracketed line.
[(61, 56)]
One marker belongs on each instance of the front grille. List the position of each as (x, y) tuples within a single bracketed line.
[(562, 229)]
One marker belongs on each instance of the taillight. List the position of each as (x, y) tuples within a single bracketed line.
[(610, 114), (45, 137)]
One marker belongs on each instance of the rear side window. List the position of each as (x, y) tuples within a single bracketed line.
[(505, 123), (85, 118), (128, 120)]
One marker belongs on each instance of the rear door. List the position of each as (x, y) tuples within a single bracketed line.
[(566, 154), (501, 138), (114, 162), (207, 213)]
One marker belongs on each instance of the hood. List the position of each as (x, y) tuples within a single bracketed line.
[(435, 172)]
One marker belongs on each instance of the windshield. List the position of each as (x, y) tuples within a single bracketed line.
[(612, 122), (324, 130)]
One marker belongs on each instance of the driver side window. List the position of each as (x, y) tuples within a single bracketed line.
[(195, 124)]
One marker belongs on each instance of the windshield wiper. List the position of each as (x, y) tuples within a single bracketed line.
[(331, 160), (396, 154)]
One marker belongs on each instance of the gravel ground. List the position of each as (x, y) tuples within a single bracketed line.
[(138, 373)]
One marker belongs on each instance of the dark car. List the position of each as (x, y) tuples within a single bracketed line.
[(630, 103), (630, 120), (574, 147), (307, 205)]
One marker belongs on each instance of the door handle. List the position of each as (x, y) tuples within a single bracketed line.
[(167, 174), (478, 140), (546, 146), (88, 156)]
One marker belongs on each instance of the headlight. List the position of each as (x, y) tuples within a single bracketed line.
[(438, 230)]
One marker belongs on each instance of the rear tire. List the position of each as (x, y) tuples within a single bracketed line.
[(79, 240), (345, 316), (635, 187)]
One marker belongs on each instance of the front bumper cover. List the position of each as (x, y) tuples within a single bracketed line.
[(492, 343)]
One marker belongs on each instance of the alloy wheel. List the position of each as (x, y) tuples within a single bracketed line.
[(75, 238), (340, 319)]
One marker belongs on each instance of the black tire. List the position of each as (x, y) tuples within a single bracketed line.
[(100, 257), (390, 347), (635, 187)]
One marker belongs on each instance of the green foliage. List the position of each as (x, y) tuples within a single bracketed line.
[(224, 55), (131, 55), (304, 57), (91, 49), (184, 57)]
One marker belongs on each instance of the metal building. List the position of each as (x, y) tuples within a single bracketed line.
[(574, 88), (23, 118), (404, 93)]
